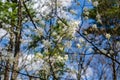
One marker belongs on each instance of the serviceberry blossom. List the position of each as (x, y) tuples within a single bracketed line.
[(95, 3), (98, 16), (72, 12), (81, 40), (68, 44), (66, 57), (40, 31), (46, 43), (10, 9), (86, 13), (85, 9), (39, 55), (73, 27), (78, 45), (60, 58), (94, 26), (104, 51), (107, 36)]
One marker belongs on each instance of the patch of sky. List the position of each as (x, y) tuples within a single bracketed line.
[(4, 42)]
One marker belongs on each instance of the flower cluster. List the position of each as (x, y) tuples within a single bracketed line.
[(107, 36), (94, 26), (98, 17), (68, 44), (46, 43), (40, 31), (73, 27), (86, 13), (95, 3)]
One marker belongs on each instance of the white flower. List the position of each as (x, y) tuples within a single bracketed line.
[(54, 33), (86, 17), (98, 16), (71, 30), (109, 55), (40, 31), (61, 48), (46, 50), (85, 32), (111, 52), (81, 40), (78, 45), (94, 26), (77, 22), (66, 57), (85, 9), (99, 21), (10, 9), (60, 58), (58, 38), (95, 3), (68, 44), (39, 55), (59, 22), (72, 12), (108, 36), (46, 43), (104, 51), (86, 13)]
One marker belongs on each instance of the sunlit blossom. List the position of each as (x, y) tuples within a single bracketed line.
[(68, 44), (98, 16), (39, 55), (108, 36), (66, 57), (85, 9), (73, 27), (86, 13), (81, 40), (10, 9), (78, 45), (95, 3), (54, 33), (86, 17), (94, 26), (72, 12), (46, 43), (40, 31), (60, 58), (111, 52), (104, 51)]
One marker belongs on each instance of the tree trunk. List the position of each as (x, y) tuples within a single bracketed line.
[(17, 42), (6, 74)]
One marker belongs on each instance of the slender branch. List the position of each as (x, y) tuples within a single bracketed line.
[(98, 48), (9, 69), (3, 37), (91, 43), (29, 15)]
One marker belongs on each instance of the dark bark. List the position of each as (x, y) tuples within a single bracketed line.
[(6, 74), (17, 41)]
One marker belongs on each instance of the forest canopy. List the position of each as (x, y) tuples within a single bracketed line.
[(59, 39)]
